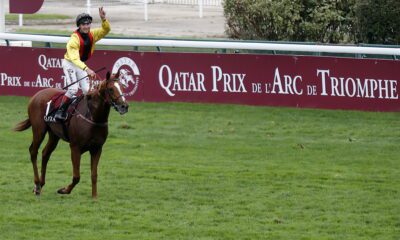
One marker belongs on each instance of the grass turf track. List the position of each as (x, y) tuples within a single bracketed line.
[(194, 171)]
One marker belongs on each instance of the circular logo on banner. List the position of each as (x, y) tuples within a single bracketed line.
[(128, 74)]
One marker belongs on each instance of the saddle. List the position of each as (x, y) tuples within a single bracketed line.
[(54, 104)]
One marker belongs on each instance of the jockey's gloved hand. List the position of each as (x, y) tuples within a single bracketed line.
[(91, 73)]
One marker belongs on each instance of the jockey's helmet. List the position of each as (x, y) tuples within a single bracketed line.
[(83, 18)]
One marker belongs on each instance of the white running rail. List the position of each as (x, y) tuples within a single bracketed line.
[(215, 45)]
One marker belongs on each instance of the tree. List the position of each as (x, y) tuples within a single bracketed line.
[(288, 20), (377, 21), (327, 21), (269, 20)]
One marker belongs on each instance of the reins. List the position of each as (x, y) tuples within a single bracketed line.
[(107, 99), (97, 71), (80, 115)]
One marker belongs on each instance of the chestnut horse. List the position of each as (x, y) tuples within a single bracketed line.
[(86, 130)]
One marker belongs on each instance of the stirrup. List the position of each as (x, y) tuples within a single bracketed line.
[(61, 115)]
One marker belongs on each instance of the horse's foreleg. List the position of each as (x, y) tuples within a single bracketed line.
[(38, 137), (76, 163), (94, 162), (48, 149)]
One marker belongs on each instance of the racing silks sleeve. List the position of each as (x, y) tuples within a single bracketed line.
[(99, 33)]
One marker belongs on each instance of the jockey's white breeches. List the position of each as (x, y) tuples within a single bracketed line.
[(74, 73)]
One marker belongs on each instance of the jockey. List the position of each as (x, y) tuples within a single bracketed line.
[(80, 48)]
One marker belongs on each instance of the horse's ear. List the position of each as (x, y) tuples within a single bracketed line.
[(117, 74), (108, 75)]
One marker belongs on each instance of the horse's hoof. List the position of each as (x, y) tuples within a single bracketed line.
[(62, 191), (37, 190), (37, 194)]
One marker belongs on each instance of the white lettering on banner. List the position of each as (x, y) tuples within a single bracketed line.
[(10, 81), (43, 82), (232, 82), (47, 63), (355, 87), (289, 86), (180, 81)]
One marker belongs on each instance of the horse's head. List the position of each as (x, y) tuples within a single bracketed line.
[(114, 94)]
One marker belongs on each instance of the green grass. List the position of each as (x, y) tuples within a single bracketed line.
[(197, 171), (15, 17)]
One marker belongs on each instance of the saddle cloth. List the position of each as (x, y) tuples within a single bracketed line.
[(54, 104), (56, 100)]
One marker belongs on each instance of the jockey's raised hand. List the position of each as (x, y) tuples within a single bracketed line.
[(102, 13)]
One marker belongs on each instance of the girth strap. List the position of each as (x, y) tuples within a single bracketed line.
[(65, 130)]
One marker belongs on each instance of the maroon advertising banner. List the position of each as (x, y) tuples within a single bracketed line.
[(270, 80), (25, 6)]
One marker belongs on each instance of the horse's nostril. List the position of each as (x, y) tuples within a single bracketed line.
[(124, 107)]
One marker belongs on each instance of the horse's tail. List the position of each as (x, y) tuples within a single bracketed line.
[(22, 125)]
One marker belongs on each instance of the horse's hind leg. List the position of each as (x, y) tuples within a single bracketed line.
[(48, 149), (38, 136)]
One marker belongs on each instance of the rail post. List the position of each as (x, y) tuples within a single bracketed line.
[(146, 14), (88, 6), (201, 8), (2, 16)]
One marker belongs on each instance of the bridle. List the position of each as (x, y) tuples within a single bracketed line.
[(108, 97), (108, 94)]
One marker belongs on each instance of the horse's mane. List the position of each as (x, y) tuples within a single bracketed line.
[(96, 91), (101, 86)]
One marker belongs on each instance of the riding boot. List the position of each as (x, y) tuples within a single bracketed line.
[(61, 113)]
